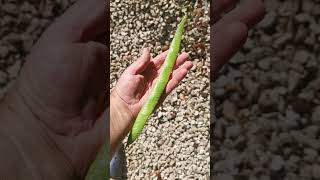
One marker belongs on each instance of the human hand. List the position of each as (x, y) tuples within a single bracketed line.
[(64, 84), (135, 85), (230, 31), (141, 76)]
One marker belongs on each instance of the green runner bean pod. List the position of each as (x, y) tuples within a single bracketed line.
[(160, 85)]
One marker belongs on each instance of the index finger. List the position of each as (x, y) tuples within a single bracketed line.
[(158, 60)]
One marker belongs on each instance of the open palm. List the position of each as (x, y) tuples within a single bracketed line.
[(141, 76)]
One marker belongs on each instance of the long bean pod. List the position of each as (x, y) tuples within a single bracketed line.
[(160, 85)]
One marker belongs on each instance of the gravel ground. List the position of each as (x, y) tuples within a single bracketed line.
[(175, 143), (268, 102)]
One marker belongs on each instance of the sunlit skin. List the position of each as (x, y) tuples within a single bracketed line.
[(140, 78)]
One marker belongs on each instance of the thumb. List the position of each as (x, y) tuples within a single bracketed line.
[(141, 64)]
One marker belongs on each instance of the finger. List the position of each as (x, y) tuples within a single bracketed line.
[(173, 83), (183, 57), (158, 61), (175, 80), (225, 44), (142, 63), (250, 12), (180, 60), (176, 77), (219, 6), (186, 65), (84, 21)]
